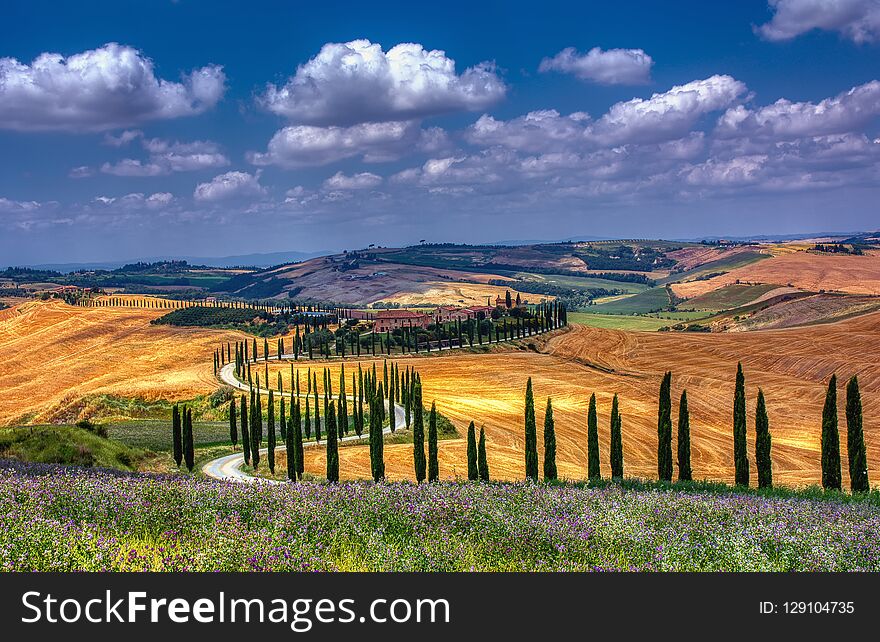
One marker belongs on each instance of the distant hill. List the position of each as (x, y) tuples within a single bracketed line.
[(249, 260)]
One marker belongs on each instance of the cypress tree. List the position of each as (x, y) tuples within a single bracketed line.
[(176, 435), (392, 419), (419, 461), (593, 472), (308, 419), (664, 430), (188, 455), (290, 444), (433, 462), (233, 427), (245, 432), (472, 452), (256, 428), (740, 454), (531, 435), (282, 421), (482, 462), (332, 447), (298, 442), (616, 441), (831, 478), (270, 440), (684, 439), (549, 444), (855, 439), (762, 444), (377, 450), (317, 412)]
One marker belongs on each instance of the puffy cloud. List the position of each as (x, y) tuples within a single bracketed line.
[(667, 115), (100, 89), (785, 119), (308, 145), (858, 20), (7, 205), (363, 180), (356, 82), (611, 67), (167, 157), (230, 186), (537, 131)]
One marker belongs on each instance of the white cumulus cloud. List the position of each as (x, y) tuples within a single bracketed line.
[(358, 82), (363, 180), (666, 115), (783, 119), (611, 67), (100, 89), (230, 186), (308, 145), (858, 20)]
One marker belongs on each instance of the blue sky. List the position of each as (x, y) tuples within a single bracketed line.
[(210, 128)]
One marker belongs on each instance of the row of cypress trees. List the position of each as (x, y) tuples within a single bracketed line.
[(831, 466), (182, 436)]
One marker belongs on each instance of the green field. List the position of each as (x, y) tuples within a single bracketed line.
[(729, 297), (641, 303), (68, 445), (581, 282), (721, 265), (618, 321), (156, 434)]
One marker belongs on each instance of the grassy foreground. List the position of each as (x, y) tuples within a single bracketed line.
[(60, 519)]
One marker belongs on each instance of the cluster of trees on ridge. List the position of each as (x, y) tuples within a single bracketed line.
[(348, 339)]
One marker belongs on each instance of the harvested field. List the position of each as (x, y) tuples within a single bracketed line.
[(819, 308), (792, 367), (54, 354), (688, 258), (803, 270)]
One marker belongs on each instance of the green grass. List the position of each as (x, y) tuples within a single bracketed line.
[(155, 434), (642, 303), (721, 265), (618, 321), (582, 282), (67, 445), (728, 297)]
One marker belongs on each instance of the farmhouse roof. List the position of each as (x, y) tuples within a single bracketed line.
[(399, 314)]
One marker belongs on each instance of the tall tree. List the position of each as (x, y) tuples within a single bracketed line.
[(549, 444), (433, 461), (245, 432), (377, 451), (317, 412), (593, 472), (684, 439), (270, 437), (233, 426), (472, 452), (176, 435), (482, 462), (419, 460), (188, 452), (831, 477), (290, 444), (664, 430), (740, 453), (298, 441), (531, 435), (855, 439), (616, 441), (332, 447), (762, 444), (256, 428)]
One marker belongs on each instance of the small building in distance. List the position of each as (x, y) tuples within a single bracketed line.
[(387, 320)]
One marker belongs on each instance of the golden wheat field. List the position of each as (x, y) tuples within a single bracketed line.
[(792, 367), (53, 354)]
